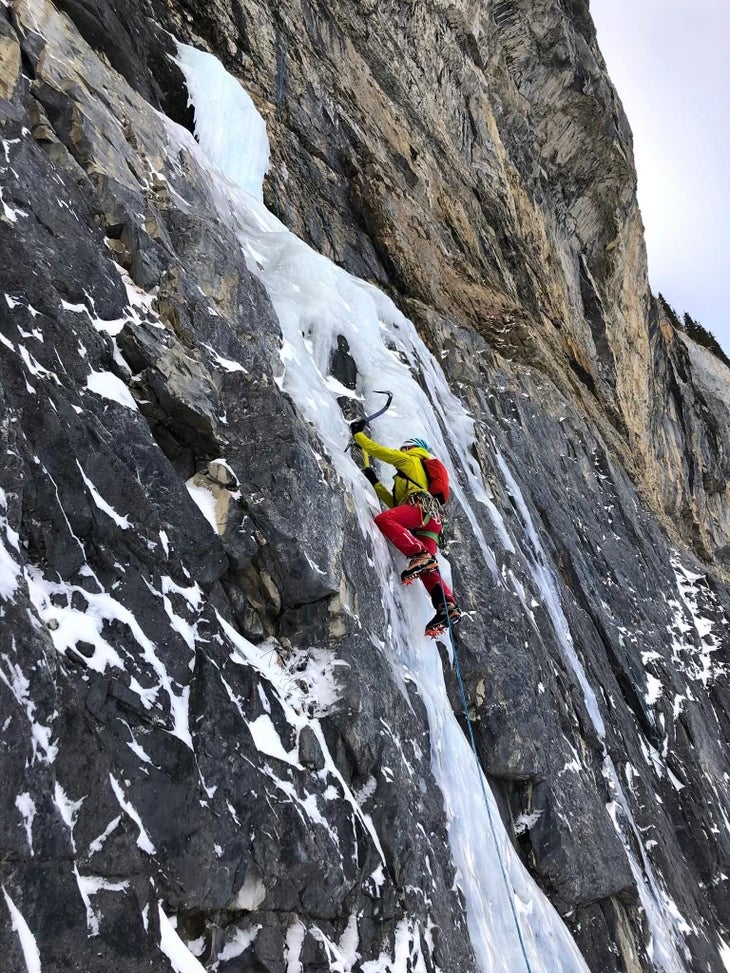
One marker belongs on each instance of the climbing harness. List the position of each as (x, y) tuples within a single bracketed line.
[(472, 740), (430, 509)]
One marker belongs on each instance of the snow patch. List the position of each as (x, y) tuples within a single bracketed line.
[(181, 959), (526, 820), (9, 569), (98, 843), (251, 894), (293, 946), (654, 689), (143, 840), (91, 885), (19, 685), (69, 625), (240, 942), (226, 364), (695, 639), (204, 501), (725, 954), (268, 741), (9, 213), (68, 809), (28, 944), (120, 521), (26, 807), (108, 386)]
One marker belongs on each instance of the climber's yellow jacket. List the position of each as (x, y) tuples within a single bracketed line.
[(407, 462)]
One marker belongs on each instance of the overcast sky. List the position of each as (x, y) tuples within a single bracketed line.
[(670, 63)]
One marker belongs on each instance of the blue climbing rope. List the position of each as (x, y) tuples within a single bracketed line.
[(465, 704)]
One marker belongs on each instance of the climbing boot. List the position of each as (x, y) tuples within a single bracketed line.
[(419, 564), (446, 616)]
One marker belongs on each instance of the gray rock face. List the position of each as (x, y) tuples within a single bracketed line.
[(203, 725), (132, 777)]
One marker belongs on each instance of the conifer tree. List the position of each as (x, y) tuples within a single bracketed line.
[(705, 338), (670, 312), (693, 329)]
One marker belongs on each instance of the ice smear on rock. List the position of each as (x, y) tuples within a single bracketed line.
[(316, 303), (226, 119), (9, 569), (667, 926)]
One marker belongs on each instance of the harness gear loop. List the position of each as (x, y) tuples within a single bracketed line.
[(430, 508)]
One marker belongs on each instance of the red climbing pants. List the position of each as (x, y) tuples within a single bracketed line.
[(397, 524)]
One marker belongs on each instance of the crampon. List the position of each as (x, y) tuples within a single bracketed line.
[(419, 564), (440, 621)]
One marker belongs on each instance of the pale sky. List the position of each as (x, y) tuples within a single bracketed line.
[(670, 63)]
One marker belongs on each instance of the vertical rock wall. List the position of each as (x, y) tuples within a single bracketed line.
[(198, 723), (476, 162)]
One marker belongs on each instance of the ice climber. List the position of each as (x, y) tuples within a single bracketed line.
[(413, 520)]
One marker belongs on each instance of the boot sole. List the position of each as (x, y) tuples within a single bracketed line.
[(407, 577)]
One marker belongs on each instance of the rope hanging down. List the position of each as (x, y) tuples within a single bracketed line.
[(465, 704)]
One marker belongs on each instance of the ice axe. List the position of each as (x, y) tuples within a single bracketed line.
[(378, 412), (375, 415)]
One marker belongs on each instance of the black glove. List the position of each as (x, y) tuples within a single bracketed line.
[(357, 425), (370, 475)]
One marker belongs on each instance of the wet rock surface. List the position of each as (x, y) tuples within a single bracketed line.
[(183, 572)]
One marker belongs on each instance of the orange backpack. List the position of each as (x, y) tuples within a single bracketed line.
[(438, 479), (437, 476)]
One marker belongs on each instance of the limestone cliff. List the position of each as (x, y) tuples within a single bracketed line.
[(226, 744)]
